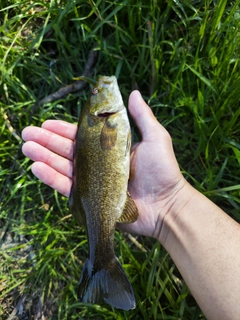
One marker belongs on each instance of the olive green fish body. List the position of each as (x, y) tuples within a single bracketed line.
[(99, 196)]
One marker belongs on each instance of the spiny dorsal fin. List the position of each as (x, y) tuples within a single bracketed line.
[(130, 211), (76, 207)]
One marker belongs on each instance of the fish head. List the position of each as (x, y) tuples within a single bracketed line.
[(106, 99)]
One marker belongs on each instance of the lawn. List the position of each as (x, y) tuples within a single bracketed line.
[(183, 56)]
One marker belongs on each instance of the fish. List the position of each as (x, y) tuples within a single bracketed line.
[(99, 196)]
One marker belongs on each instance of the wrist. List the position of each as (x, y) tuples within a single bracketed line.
[(181, 202)]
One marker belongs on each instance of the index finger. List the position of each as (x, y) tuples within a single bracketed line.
[(62, 128)]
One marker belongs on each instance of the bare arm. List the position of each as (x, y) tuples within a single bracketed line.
[(203, 241)]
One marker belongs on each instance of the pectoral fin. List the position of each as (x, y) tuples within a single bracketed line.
[(108, 136), (130, 211)]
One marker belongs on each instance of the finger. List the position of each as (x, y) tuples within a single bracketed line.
[(54, 142), (52, 178), (62, 128), (144, 117), (36, 152)]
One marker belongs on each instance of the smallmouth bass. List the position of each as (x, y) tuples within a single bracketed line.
[(99, 196)]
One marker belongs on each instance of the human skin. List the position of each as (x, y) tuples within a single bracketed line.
[(203, 241)]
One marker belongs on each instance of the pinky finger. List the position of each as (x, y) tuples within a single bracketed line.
[(52, 178)]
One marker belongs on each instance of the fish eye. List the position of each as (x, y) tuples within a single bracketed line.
[(94, 91)]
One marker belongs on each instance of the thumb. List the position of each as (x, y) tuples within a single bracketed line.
[(144, 117)]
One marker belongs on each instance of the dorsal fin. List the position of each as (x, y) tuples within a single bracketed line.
[(130, 211)]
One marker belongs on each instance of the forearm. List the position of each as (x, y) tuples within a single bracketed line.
[(204, 243)]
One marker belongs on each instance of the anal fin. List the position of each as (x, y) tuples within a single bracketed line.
[(130, 211)]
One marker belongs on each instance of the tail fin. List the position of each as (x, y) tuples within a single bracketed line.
[(109, 284)]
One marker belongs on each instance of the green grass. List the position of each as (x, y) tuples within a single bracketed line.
[(184, 58)]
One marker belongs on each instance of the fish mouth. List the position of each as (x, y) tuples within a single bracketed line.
[(106, 114)]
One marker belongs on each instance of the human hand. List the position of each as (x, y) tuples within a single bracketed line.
[(155, 176)]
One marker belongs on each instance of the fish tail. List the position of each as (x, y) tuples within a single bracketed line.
[(108, 284)]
